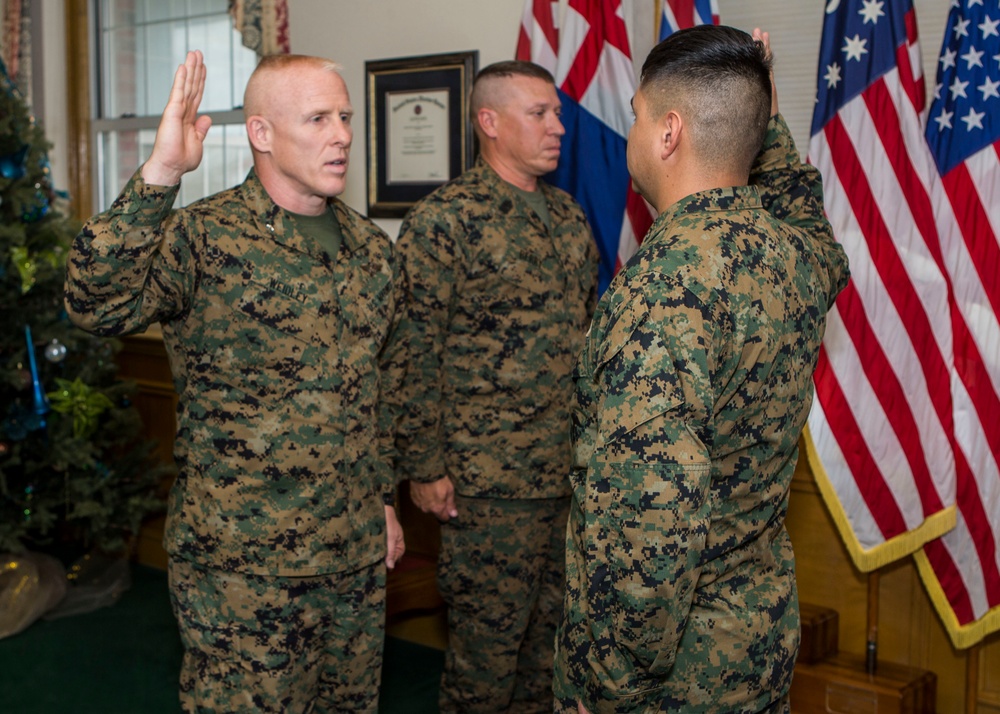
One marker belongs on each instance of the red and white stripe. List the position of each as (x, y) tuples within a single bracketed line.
[(538, 40), (882, 419), (965, 563), (906, 419)]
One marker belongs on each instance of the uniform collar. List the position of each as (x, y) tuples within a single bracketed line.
[(731, 198), (273, 221), (558, 210)]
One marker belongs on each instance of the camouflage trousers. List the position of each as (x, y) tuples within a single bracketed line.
[(502, 573), (279, 644), (782, 706)]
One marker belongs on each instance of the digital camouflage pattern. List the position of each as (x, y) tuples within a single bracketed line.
[(271, 653), (496, 315), (692, 390), (498, 557), (275, 351), (498, 307)]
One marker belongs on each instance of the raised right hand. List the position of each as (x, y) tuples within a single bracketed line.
[(181, 134), (765, 38)]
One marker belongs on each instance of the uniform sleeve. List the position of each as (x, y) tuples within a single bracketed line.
[(593, 269), (393, 371), (647, 505), (427, 251), (131, 265), (793, 193)]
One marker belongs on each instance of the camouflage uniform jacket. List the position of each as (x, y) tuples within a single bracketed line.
[(692, 391), (274, 350), (498, 307)]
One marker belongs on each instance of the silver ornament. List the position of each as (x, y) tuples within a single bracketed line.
[(55, 351)]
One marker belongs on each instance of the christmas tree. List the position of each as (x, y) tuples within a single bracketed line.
[(74, 470)]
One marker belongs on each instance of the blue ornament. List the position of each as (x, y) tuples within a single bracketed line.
[(15, 430), (38, 211), (20, 422), (12, 165), (41, 401)]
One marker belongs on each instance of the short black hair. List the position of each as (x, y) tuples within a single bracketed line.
[(722, 77)]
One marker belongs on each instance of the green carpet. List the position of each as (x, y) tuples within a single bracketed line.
[(125, 659)]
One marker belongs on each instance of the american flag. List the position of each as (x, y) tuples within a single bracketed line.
[(538, 40), (962, 569), (882, 424), (679, 14)]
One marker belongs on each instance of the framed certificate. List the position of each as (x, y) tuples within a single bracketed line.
[(419, 132)]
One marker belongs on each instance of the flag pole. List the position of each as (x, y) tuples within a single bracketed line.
[(972, 679), (871, 647)]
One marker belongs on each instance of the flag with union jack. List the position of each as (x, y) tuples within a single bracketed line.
[(538, 39), (679, 14), (596, 79)]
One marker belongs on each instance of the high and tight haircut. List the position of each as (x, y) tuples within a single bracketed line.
[(270, 63), (720, 78), (503, 70)]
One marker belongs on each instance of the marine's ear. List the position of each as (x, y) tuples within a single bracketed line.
[(671, 133), (259, 133)]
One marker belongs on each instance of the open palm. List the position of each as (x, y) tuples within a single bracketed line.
[(181, 135)]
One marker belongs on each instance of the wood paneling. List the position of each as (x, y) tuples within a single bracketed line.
[(143, 359), (910, 632)]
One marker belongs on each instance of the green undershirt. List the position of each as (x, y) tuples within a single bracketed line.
[(324, 228), (536, 201)]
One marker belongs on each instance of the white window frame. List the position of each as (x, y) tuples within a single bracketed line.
[(227, 132)]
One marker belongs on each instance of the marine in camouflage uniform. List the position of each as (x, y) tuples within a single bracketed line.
[(498, 307), (276, 527), (692, 390)]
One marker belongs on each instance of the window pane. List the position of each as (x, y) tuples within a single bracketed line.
[(214, 36), (117, 13), (238, 156), (209, 7), (121, 153), (166, 47), (244, 63), (224, 163), (194, 183), (142, 43), (165, 9), (124, 74)]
